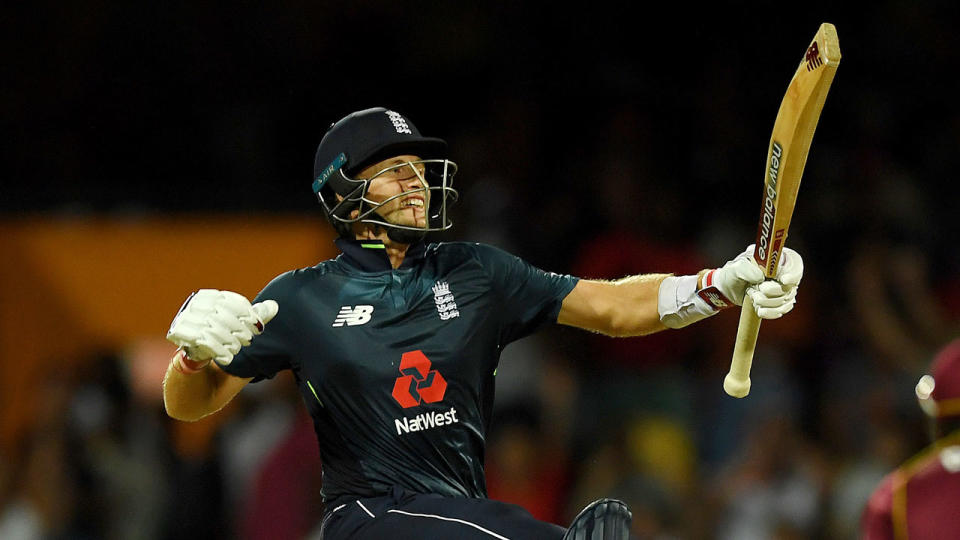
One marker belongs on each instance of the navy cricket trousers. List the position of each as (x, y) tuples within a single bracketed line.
[(412, 516)]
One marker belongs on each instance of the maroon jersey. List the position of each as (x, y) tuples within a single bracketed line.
[(919, 500)]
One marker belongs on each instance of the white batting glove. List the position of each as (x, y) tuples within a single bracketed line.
[(775, 298), (215, 324), (731, 280), (772, 299)]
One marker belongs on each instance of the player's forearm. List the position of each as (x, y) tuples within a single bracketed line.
[(213, 325), (634, 311), (621, 308), (189, 396)]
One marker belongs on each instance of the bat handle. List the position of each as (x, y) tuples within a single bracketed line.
[(737, 381)]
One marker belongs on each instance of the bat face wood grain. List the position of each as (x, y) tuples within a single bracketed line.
[(786, 157), (790, 143)]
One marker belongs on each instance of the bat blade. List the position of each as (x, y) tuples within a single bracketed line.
[(786, 157)]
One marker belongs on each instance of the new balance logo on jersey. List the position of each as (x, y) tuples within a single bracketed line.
[(353, 316), (443, 298)]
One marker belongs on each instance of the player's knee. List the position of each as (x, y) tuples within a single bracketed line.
[(605, 519)]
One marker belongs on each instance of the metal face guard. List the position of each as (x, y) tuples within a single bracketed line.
[(442, 170)]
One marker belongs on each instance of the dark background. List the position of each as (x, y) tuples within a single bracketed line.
[(109, 106), (571, 126)]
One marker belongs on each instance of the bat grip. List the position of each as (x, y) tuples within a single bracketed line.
[(737, 381)]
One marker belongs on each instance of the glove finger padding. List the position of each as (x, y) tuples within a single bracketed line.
[(203, 301), (233, 302), (259, 315), (774, 312), (212, 341), (222, 335), (772, 307), (216, 324), (265, 311), (733, 278), (233, 325), (236, 310), (746, 269), (771, 295), (186, 328), (772, 288), (790, 268)]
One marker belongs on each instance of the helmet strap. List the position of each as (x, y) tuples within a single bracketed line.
[(405, 236), (402, 236)]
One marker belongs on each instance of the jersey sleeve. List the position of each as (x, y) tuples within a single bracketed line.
[(268, 353), (529, 296), (876, 523)]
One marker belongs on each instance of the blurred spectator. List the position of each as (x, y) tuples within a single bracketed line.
[(196, 507), (624, 377), (635, 236), (525, 467), (263, 418), (120, 448), (42, 500), (858, 475), (664, 478), (272, 464), (894, 295), (284, 502), (774, 489), (663, 450), (627, 471), (532, 428)]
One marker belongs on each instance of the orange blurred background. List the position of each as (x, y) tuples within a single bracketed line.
[(75, 286)]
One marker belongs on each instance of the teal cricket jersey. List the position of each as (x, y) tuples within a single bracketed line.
[(396, 366)]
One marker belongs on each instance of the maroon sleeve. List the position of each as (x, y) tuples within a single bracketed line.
[(877, 520)]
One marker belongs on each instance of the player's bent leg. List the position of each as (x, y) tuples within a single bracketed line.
[(487, 519), (605, 519), (406, 516)]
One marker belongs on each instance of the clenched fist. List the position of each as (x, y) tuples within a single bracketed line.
[(215, 324), (742, 276)]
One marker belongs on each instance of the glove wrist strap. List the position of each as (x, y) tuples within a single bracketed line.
[(710, 294), (185, 365), (679, 303)]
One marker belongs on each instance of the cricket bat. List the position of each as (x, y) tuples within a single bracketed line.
[(786, 156)]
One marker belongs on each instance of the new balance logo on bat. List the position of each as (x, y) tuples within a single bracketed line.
[(769, 209), (353, 316), (813, 57)]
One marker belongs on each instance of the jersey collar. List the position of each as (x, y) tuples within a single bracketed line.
[(371, 255)]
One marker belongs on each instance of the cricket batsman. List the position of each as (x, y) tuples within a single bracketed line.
[(394, 344)]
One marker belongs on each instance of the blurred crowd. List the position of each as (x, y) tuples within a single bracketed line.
[(600, 193), (578, 416)]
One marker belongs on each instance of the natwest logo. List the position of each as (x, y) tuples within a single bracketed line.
[(418, 383), (425, 421)]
